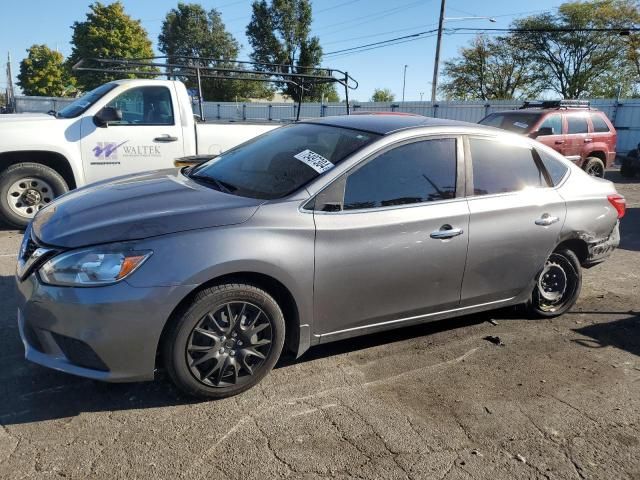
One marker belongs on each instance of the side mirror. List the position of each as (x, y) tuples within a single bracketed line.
[(544, 131), (106, 115)]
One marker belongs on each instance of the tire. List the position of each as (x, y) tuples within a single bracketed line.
[(562, 266), (627, 171), (594, 167), (207, 356), (27, 187)]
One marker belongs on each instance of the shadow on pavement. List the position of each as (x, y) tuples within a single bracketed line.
[(623, 334), (614, 176)]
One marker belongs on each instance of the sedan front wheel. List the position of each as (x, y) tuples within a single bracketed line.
[(225, 341), (557, 285)]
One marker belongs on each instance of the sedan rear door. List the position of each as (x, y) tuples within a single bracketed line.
[(391, 239), (515, 220)]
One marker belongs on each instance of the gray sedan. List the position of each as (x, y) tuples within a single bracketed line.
[(314, 232)]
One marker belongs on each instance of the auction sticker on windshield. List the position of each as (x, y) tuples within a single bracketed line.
[(314, 160)]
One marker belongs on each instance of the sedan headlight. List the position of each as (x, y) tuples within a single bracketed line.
[(92, 266)]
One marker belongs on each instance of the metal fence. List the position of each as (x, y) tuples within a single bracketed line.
[(623, 113)]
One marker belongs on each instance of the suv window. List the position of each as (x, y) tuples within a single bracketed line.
[(554, 122), (554, 167), (599, 125), (519, 122), (500, 167), (577, 124), (144, 106), (423, 171)]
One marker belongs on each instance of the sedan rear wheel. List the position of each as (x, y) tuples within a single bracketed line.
[(557, 285), (225, 341)]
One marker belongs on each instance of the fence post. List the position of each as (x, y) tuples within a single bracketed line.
[(486, 109), (270, 116), (394, 106), (435, 110), (219, 112), (244, 111), (323, 111)]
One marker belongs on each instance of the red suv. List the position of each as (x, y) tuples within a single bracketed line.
[(580, 133)]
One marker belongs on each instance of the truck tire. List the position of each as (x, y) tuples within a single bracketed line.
[(25, 188), (594, 167)]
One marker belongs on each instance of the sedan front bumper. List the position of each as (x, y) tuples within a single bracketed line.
[(106, 333)]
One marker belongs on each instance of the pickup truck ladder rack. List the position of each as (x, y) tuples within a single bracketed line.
[(201, 67)]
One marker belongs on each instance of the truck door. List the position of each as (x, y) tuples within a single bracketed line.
[(577, 136), (556, 139), (149, 136)]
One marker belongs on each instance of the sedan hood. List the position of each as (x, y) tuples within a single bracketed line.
[(136, 207)]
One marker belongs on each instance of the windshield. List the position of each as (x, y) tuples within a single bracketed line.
[(519, 122), (81, 105), (281, 161)]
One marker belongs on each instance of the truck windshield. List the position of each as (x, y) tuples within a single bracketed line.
[(519, 122), (79, 106), (281, 161)]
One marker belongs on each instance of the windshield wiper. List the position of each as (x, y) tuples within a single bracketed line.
[(53, 113), (222, 186)]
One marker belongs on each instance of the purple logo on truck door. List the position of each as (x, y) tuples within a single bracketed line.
[(107, 149)]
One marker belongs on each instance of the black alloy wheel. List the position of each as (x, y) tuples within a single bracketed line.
[(229, 344), (224, 341)]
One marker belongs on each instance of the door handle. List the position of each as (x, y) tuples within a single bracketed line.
[(446, 231), (545, 220), (588, 140), (165, 139), (559, 142)]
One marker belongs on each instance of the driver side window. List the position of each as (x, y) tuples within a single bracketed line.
[(144, 106)]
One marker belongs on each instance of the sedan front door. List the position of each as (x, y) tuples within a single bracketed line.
[(392, 248)]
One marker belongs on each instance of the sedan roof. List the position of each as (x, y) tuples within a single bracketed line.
[(385, 123)]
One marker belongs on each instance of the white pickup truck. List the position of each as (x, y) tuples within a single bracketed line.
[(121, 127)]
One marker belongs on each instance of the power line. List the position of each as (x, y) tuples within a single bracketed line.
[(550, 30), (340, 55), (342, 4), (413, 35), (378, 34)]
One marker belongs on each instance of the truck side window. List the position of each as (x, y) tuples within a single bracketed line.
[(144, 106), (577, 124)]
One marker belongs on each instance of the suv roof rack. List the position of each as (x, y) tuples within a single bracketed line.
[(557, 104), (201, 67)]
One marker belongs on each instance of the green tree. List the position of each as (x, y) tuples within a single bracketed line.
[(490, 69), (577, 62), (382, 95), (280, 33), (107, 32), (43, 73), (190, 31)]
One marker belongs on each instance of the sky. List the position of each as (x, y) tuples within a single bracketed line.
[(340, 24)]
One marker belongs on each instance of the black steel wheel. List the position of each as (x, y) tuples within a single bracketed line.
[(594, 167), (225, 341), (557, 285)]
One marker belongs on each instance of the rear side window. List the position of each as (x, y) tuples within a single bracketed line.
[(554, 122), (417, 172), (599, 125), (555, 168), (577, 124), (500, 167)]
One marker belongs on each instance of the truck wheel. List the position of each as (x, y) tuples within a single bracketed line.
[(627, 171), (26, 188), (594, 167)]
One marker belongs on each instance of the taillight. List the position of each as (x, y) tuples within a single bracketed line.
[(619, 203)]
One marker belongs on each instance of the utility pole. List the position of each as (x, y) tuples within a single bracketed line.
[(436, 65), (404, 81), (10, 96)]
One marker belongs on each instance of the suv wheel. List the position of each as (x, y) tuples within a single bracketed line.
[(225, 341), (557, 285), (26, 188), (594, 167)]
